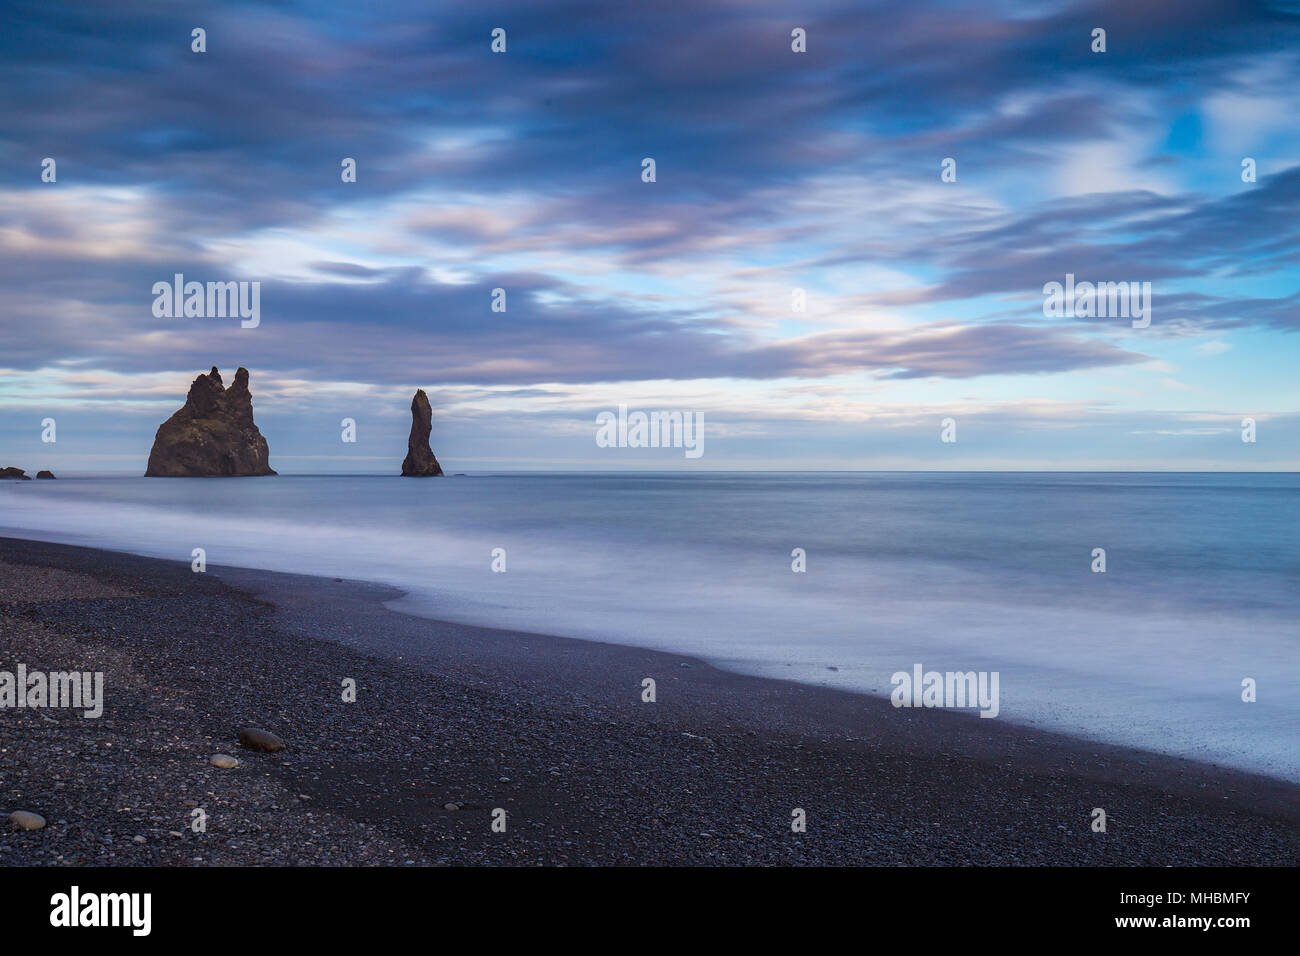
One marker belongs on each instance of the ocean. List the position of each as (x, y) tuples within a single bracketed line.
[(985, 572)]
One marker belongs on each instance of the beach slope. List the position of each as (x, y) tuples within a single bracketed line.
[(452, 723)]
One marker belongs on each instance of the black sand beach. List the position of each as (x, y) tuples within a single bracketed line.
[(551, 730)]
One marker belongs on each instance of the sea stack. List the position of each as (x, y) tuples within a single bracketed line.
[(212, 435), (420, 462)]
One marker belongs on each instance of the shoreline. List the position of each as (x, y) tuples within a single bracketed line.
[(551, 729), (1150, 658)]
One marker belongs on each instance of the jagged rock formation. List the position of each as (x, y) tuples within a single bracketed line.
[(420, 462), (212, 435), (45, 474), (16, 473)]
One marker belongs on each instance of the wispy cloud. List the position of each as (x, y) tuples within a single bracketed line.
[(776, 171)]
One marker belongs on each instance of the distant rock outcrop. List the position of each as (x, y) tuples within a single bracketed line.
[(16, 473), (213, 435), (420, 462), (45, 474)]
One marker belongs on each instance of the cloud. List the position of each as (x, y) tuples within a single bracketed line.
[(522, 171), (1214, 347)]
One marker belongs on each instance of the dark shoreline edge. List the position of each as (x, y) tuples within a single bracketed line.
[(553, 730)]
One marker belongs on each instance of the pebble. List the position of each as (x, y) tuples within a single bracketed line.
[(26, 820), (451, 806), (263, 740), (224, 761)]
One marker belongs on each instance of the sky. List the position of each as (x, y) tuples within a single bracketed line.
[(774, 171)]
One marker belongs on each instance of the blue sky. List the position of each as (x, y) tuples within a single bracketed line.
[(775, 170)]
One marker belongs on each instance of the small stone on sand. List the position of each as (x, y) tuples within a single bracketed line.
[(224, 761), (255, 739), (26, 820)]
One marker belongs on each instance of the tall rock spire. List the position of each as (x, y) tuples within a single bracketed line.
[(420, 462)]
